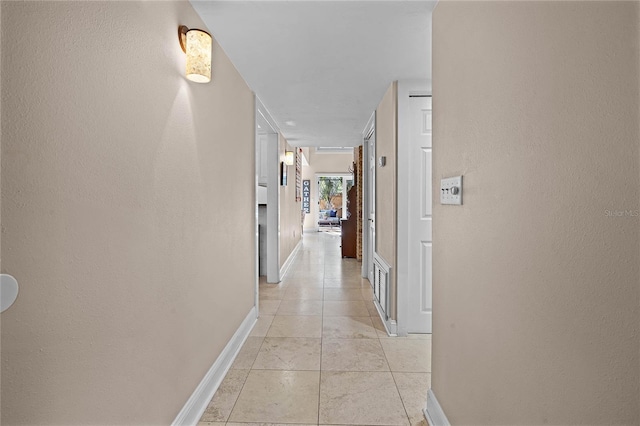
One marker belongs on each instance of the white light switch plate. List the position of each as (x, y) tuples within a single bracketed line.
[(451, 190)]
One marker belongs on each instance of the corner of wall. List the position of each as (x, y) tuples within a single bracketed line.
[(290, 208), (386, 186)]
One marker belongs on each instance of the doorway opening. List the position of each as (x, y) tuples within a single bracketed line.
[(332, 201), (267, 199)]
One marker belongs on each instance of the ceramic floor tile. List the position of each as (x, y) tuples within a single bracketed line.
[(348, 328), (343, 294), (310, 275), (419, 336), (267, 424), (338, 283), (413, 389), (269, 307), (262, 325), (344, 275), (271, 293), (305, 272), (296, 326), (278, 397), (367, 292), (351, 308), (288, 353), (322, 314), (248, 353), (379, 326), (212, 423), (225, 397), (306, 283), (369, 398), (300, 307), (371, 307), (306, 293), (408, 355), (353, 355), (270, 287)]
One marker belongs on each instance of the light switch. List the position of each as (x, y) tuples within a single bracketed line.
[(451, 190)]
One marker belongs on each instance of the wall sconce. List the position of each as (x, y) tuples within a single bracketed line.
[(288, 158), (197, 45)]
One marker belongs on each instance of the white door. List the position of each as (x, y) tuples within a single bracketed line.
[(371, 208), (420, 243), (263, 167)]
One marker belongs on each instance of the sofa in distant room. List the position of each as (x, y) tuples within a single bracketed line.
[(329, 218)]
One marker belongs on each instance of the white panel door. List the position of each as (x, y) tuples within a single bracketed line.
[(263, 157), (371, 208), (420, 243)]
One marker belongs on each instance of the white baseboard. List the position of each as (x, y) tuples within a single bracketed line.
[(433, 413), (200, 398), (290, 259), (389, 325)]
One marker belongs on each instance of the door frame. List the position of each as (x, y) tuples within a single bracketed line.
[(367, 261), (273, 196), (406, 88)]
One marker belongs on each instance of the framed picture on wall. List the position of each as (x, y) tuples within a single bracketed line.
[(283, 174), (298, 174)]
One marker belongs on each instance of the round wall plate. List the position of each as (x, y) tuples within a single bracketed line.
[(8, 291)]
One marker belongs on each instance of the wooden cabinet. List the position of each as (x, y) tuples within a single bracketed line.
[(349, 233)]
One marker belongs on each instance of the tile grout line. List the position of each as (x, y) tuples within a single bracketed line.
[(324, 266), (395, 383), (244, 382)]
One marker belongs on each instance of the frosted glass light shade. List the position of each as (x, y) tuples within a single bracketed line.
[(198, 50), (288, 158)]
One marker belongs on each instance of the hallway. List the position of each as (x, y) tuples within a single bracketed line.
[(319, 353)]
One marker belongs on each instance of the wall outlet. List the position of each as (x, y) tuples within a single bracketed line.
[(451, 190)]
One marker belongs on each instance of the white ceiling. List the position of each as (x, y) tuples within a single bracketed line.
[(322, 67)]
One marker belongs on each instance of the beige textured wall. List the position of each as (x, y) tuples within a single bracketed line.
[(133, 273), (290, 215), (322, 163), (535, 288), (386, 181), (0, 200)]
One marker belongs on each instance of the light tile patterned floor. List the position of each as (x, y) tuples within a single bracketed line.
[(319, 354)]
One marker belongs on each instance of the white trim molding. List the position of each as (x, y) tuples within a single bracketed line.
[(367, 132), (390, 325), (433, 413), (290, 259), (201, 396)]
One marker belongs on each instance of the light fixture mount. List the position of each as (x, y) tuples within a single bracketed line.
[(182, 36)]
